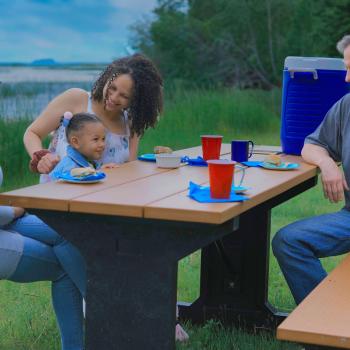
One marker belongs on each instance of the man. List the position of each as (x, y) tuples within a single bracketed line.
[(299, 245)]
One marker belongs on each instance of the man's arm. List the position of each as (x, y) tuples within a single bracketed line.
[(333, 179)]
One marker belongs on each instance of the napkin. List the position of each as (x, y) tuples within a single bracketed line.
[(199, 161), (202, 194)]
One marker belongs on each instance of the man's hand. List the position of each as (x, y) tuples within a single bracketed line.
[(47, 163), (333, 180)]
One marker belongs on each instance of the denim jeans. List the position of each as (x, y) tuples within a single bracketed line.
[(299, 246), (67, 254), (47, 256)]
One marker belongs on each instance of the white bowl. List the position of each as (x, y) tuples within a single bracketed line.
[(168, 160)]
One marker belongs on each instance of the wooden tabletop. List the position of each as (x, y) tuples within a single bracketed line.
[(140, 189)]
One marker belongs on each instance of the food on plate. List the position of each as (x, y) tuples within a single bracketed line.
[(274, 159), (162, 149), (82, 172)]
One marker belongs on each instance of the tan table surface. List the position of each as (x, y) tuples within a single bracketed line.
[(140, 189)]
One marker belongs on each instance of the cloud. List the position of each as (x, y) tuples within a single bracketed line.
[(67, 30)]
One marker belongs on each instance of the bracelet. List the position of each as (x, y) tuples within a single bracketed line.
[(37, 155)]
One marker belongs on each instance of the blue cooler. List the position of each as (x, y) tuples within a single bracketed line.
[(311, 85)]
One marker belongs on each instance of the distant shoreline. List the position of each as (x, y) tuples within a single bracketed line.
[(56, 65)]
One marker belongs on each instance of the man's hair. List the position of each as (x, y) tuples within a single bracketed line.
[(147, 98), (78, 121), (343, 43)]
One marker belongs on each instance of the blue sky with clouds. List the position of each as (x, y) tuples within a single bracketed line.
[(68, 30)]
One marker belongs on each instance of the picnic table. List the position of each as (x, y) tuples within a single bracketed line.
[(135, 226)]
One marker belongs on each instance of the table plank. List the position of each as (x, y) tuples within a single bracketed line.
[(130, 198), (56, 195), (265, 185)]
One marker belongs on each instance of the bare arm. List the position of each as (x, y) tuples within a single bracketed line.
[(133, 147), (333, 179), (72, 100)]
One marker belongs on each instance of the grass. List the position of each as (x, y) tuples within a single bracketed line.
[(26, 317)]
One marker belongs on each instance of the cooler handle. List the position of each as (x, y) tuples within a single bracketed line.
[(310, 70)]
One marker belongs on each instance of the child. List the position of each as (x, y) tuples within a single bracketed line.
[(86, 137)]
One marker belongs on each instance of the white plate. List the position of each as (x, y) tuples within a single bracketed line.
[(283, 166)]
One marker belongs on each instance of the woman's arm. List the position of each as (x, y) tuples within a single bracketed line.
[(333, 179), (133, 147), (73, 100), (70, 100)]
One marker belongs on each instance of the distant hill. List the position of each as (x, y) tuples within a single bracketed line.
[(44, 62)]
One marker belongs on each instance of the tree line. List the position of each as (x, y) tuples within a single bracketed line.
[(241, 43)]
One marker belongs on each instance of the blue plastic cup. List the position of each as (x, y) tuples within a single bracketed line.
[(241, 150)]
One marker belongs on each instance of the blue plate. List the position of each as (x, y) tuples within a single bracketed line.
[(149, 157), (83, 180), (240, 189), (282, 166)]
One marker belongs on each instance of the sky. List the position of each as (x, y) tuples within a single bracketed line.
[(68, 30)]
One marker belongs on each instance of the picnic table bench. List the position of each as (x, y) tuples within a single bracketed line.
[(323, 317)]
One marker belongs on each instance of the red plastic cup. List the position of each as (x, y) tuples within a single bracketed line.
[(211, 146), (220, 177)]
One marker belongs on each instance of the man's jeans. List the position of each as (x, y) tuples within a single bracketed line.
[(299, 246)]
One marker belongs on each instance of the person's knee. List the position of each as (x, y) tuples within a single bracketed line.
[(282, 241)]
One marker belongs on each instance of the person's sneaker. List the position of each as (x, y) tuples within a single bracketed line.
[(180, 333)]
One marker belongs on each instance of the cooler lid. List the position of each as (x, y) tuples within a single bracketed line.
[(292, 62)]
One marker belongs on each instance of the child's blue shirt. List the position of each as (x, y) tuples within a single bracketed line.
[(72, 160)]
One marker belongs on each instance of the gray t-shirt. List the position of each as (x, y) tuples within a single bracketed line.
[(333, 134)]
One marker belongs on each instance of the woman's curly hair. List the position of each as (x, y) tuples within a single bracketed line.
[(147, 99)]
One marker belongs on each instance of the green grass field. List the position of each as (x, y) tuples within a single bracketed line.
[(26, 317)]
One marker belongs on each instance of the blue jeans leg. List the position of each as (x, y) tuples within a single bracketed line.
[(68, 255), (39, 263), (299, 246)]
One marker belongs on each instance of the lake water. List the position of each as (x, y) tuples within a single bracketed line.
[(25, 91)]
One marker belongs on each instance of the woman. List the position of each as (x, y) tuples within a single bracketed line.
[(26, 259), (127, 98)]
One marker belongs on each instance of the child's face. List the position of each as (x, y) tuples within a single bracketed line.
[(90, 141)]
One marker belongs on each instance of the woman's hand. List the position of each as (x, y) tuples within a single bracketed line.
[(333, 180), (47, 163)]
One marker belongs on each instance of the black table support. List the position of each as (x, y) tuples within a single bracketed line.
[(132, 274)]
